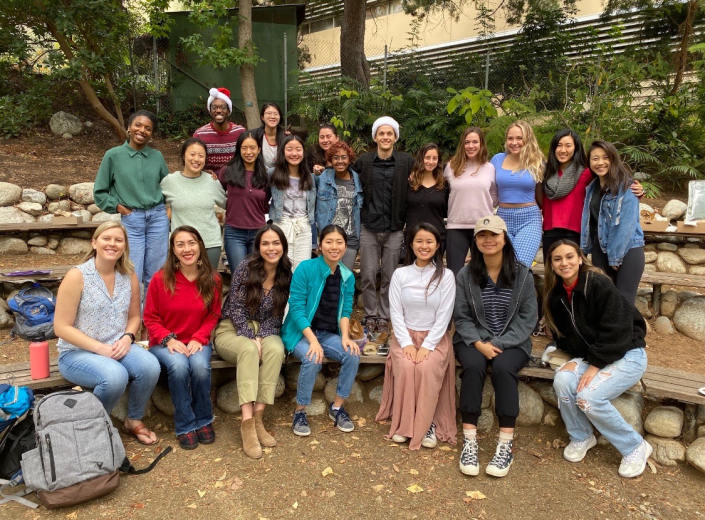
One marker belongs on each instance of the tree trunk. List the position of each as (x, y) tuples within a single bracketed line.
[(681, 57), (353, 62), (247, 72)]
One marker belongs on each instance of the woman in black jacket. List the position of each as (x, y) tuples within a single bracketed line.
[(604, 334), (495, 313)]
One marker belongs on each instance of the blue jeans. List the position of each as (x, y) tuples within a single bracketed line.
[(591, 406), (238, 243), (148, 238), (333, 349), (189, 385), (108, 377)]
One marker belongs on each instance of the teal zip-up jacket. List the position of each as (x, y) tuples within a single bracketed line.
[(305, 295)]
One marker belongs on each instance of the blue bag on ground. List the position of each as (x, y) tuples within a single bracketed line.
[(33, 308)]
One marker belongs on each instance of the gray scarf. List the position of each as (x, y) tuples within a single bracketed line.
[(557, 187)]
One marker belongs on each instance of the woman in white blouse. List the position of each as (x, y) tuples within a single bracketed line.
[(419, 379)]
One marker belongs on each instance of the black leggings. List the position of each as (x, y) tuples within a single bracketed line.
[(505, 380), (556, 234), (627, 277), (457, 246)]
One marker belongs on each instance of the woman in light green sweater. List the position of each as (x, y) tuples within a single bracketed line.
[(191, 195)]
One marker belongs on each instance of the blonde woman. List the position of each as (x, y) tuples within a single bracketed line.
[(518, 171)]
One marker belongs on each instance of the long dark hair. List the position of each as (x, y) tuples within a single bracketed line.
[(280, 177), (235, 172), (256, 276), (619, 176), (437, 257), (281, 133), (332, 228), (316, 154), (207, 280), (419, 168), (553, 166), (478, 269)]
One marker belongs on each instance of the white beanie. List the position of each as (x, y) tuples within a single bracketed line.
[(385, 120), (219, 93)]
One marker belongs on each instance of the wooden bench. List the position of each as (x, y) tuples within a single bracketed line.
[(674, 384)]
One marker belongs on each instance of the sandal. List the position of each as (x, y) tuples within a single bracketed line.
[(140, 429)]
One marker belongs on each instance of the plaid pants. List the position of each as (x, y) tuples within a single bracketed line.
[(524, 230)]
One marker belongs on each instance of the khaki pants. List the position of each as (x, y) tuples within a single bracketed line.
[(255, 382)]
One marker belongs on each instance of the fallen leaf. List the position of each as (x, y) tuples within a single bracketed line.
[(444, 448), (395, 468), (295, 505), (355, 455), (651, 465), (330, 494), (378, 487), (158, 449), (267, 450), (223, 476), (237, 484), (361, 422), (327, 471), (201, 493), (138, 505), (217, 460), (415, 488), (313, 443), (303, 493), (218, 485), (413, 472), (475, 495), (192, 506), (73, 515)]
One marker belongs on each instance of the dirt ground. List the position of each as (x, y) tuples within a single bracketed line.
[(369, 477)]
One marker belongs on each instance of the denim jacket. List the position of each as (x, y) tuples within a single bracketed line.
[(327, 199), (276, 207), (618, 228)]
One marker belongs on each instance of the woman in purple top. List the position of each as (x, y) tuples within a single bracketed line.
[(244, 179), (248, 335)]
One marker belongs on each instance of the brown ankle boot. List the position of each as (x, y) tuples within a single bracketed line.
[(265, 439), (250, 444)]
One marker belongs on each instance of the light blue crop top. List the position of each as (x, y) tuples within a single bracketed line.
[(513, 187)]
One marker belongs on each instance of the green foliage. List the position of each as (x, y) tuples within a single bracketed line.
[(22, 111), (180, 125), (473, 104)]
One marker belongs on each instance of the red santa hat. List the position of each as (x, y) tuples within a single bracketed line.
[(219, 93)]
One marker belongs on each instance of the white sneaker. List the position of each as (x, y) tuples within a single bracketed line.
[(576, 451), (399, 439), (634, 463), (430, 441)]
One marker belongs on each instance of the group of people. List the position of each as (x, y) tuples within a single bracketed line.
[(382, 205)]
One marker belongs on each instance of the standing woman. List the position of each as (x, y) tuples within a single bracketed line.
[(181, 311), (293, 198), (128, 183), (604, 334), (248, 335), (316, 154), (191, 195), (97, 317), (419, 379), (318, 324), (427, 198), (519, 172), (244, 179), (473, 193), (271, 134), (339, 198), (495, 314), (610, 226)]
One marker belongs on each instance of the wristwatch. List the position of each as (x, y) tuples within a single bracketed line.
[(130, 335)]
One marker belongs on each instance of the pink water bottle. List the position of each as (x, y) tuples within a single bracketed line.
[(39, 360)]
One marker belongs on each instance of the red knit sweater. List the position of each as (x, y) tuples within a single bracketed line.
[(182, 313), (566, 213)]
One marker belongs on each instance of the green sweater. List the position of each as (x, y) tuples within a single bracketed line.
[(192, 201), (130, 177)]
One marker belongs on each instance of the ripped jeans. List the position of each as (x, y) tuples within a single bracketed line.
[(591, 406)]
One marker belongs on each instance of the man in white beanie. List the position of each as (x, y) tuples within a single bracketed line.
[(220, 135), (384, 175)]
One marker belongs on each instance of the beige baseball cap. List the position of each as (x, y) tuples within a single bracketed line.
[(490, 223)]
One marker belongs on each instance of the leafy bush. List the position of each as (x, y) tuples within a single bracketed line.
[(21, 112)]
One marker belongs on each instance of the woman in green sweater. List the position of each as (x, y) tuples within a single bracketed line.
[(191, 195)]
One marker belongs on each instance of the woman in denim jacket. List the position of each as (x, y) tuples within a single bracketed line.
[(339, 198), (611, 221)]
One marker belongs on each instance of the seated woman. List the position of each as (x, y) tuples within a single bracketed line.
[(495, 314), (180, 312), (97, 317), (604, 334), (317, 325), (248, 335), (419, 378)]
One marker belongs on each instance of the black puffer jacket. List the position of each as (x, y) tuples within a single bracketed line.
[(598, 324)]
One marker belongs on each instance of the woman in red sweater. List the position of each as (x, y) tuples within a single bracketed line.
[(181, 310)]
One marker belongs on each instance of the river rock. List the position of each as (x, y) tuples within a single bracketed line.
[(692, 256), (39, 241), (56, 191), (663, 325), (46, 218), (281, 386), (650, 247), (530, 406), (486, 420), (41, 251), (630, 406), (53, 243), (552, 417), (666, 246), (668, 262), (701, 431), (651, 268), (374, 389), (292, 378), (650, 256), (665, 421), (86, 215), (539, 256), (646, 207), (9, 194), (669, 302), (701, 414), (63, 123), (642, 306), (697, 270), (93, 209), (666, 451), (103, 216), (355, 391), (318, 404), (6, 319), (227, 398), (674, 209), (74, 246), (120, 410), (369, 372), (88, 124), (695, 454), (162, 400), (30, 195), (61, 206), (82, 192), (14, 216), (31, 208), (13, 246), (688, 318), (546, 392), (487, 394)]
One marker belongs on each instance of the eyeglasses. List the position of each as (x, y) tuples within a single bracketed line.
[(338, 158), (219, 108), (270, 114)]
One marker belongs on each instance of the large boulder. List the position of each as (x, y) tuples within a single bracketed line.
[(82, 192), (9, 194), (665, 421), (30, 195), (318, 404), (650, 256), (674, 209), (374, 389), (292, 378), (692, 256), (227, 398), (663, 325), (355, 392), (668, 262), (642, 306), (530, 406), (666, 451), (62, 123), (646, 207), (669, 302), (546, 392), (74, 246), (369, 371), (281, 386), (667, 246), (93, 208), (31, 208), (13, 246), (162, 400), (14, 216), (103, 216), (56, 192), (38, 241), (688, 319), (59, 206), (697, 270), (695, 454), (41, 250), (630, 406), (486, 420)]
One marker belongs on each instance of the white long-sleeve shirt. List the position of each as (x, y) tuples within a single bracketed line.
[(414, 307)]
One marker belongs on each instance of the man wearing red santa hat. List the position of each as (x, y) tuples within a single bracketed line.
[(220, 135)]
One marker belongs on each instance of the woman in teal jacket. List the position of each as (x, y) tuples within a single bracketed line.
[(320, 305)]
